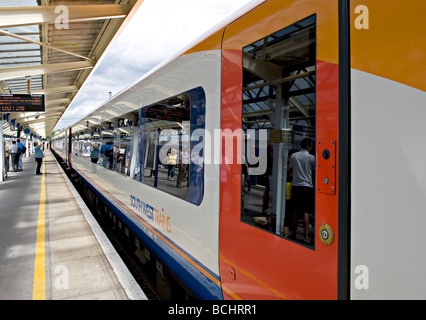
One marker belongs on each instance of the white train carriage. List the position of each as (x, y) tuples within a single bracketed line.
[(341, 73), (181, 223)]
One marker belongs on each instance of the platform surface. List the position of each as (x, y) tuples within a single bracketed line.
[(49, 246)]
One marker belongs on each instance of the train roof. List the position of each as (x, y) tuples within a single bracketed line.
[(210, 40)]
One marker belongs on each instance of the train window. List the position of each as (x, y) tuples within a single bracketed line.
[(171, 146), (279, 119), (107, 144)]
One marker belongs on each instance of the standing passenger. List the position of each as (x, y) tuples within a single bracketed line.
[(39, 155), (302, 165), (94, 154), (21, 146), (14, 154), (7, 155), (107, 154), (183, 166), (171, 163)]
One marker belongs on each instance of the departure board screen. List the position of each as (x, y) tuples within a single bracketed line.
[(167, 113), (22, 103)]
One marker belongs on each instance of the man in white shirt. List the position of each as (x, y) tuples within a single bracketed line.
[(14, 154), (302, 164)]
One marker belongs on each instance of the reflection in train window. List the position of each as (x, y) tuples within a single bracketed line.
[(121, 151), (279, 81), (170, 154), (108, 144)]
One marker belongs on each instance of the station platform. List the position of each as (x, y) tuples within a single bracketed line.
[(51, 247)]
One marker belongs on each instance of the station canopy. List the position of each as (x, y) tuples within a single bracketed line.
[(50, 47)]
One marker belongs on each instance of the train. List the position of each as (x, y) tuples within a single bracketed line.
[(194, 157)]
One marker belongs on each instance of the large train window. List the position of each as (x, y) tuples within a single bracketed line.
[(171, 146), (279, 125)]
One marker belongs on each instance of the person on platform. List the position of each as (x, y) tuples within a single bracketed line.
[(107, 154), (7, 156), (21, 146), (39, 155), (94, 154), (171, 164), (183, 167), (15, 152)]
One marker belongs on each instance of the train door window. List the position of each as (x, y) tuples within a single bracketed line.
[(279, 119), (171, 146)]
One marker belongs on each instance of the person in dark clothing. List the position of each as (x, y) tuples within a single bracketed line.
[(39, 155)]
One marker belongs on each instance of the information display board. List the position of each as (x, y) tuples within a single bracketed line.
[(22, 103), (167, 113)]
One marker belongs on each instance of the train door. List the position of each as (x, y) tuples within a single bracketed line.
[(280, 104)]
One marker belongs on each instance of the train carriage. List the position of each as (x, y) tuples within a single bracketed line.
[(237, 104)]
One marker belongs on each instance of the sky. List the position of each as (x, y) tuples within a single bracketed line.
[(159, 29)]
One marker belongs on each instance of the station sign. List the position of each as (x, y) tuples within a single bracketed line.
[(22, 103)]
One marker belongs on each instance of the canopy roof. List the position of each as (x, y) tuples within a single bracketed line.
[(50, 47)]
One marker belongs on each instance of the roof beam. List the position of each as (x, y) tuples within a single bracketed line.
[(56, 102), (265, 70), (20, 72), (42, 44), (280, 81), (19, 16), (299, 105), (54, 90), (42, 119), (4, 86)]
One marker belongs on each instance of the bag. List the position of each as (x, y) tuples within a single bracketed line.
[(24, 149), (108, 153)]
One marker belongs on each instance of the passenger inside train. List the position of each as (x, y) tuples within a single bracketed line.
[(278, 83)]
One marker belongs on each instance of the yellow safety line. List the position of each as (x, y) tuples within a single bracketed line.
[(39, 288)]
